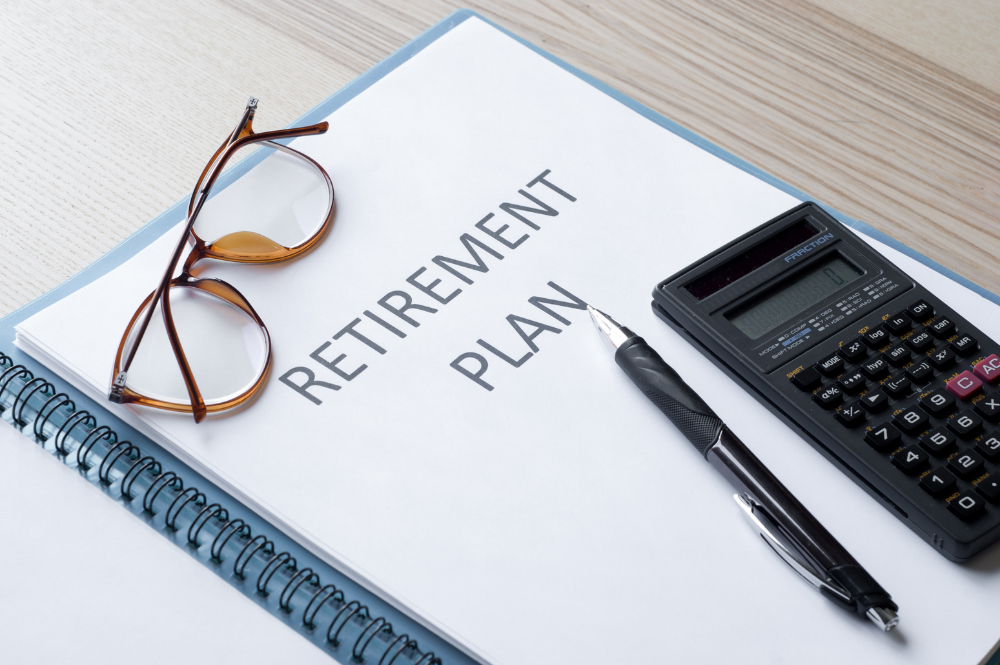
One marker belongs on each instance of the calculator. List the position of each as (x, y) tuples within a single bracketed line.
[(881, 376)]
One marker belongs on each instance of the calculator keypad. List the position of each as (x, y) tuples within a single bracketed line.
[(941, 327), (920, 341), (852, 382), (988, 369), (920, 311), (939, 442), (855, 350), (964, 345), (989, 408), (937, 402), (965, 424), (874, 401), (938, 482), (942, 358), (920, 372), (897, 355), (920, 392), (897, 324), (964, 386), (876, 338), (967, 506), (876, 369)]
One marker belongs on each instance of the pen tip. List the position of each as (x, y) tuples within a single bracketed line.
[(611, 329), (595, 316)]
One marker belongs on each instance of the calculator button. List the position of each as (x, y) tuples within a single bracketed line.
[(941, 327), (920, 341), (910, 420), (831, 366), (897, 355), (938, 441), (967, 506), (989, 446), (943, 358), (876, 338), (851, 415), (937, 402), (882, 437), (989, 407), (854, 350), (874, 401), (990, 488), (965, 345), (988, 369), (806, 379), (910, 459), (897, 324), (920, 373), (964, 386), (966, 464), (965, 424), (829, 397), (875, 369), (897, 386), (937, 482), (853, 383), (920, 311)]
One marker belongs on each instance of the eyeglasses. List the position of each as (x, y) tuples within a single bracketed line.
[(213, 351)]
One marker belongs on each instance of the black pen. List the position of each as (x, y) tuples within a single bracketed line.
[(783, 523)]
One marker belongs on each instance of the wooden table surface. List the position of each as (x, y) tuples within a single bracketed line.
[(884, 109)]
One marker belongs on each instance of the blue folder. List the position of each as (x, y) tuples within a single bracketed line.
[(326, 607)]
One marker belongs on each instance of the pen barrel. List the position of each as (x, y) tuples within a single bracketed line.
[(667, 390), (749, 475), (797, 525)]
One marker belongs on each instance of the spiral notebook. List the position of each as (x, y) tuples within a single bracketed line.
[(486, 486)]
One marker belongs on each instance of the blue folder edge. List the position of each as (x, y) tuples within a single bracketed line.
[(429, 641)]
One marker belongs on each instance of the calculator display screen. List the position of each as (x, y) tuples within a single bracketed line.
[(790, 298)]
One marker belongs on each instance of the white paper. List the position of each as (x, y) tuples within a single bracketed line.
[(558, 517), (85, 582)]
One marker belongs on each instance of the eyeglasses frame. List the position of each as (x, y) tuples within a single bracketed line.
[(238, 247)]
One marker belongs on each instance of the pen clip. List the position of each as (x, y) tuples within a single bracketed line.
[(807, 573)]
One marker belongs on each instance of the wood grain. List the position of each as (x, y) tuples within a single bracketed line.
[(892, 135)]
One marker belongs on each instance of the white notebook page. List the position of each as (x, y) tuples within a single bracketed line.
[(85, 582), (558, 517)]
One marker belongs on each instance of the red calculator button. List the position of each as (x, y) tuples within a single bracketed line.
[(964, 385), (989, 369)]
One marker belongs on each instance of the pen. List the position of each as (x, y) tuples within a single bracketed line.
[(780, 520)]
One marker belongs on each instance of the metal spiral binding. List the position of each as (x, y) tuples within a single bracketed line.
[(352, 608), (133, 473), (324, 594), (177, 505), (376, 627), (80, 418), (283, 559), (56, 423), (9, 375), (41, 421), (405, 640), (207, 513), (42, 384), (293, 585)]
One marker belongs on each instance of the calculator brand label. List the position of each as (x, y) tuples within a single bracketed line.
[(805, 249)]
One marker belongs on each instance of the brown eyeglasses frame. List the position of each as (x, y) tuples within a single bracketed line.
[(238, 247)]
